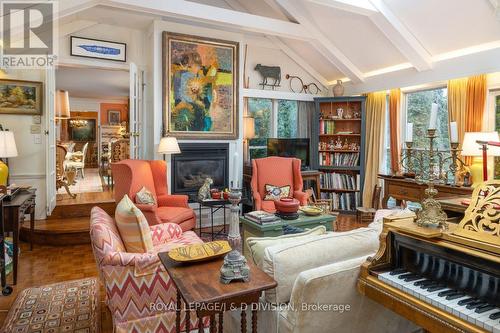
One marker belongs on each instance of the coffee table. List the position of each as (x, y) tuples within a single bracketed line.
[(253, 229), (199, 287)]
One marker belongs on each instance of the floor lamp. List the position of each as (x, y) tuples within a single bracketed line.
[(476, 145)]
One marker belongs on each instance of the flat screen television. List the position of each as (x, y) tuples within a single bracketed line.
[(298, 148)]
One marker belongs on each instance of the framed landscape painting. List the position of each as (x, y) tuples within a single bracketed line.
[(20, 97), (200, 80)]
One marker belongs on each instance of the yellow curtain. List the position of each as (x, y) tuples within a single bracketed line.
[(375, 119), (395, 128), (457, 104), (476, 100)]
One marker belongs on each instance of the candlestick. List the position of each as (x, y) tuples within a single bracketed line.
[(453, 132), (236, 166), (433, 120), (409, 132)]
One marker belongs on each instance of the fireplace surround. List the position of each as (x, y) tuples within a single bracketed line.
[(196, 162)]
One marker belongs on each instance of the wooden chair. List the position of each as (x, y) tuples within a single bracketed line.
[(366, 214), (64, 176), (76, 160)]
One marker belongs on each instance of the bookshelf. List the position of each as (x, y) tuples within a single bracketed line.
[(338, 150)]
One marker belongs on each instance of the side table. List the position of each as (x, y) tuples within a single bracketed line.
[(199, 287), (214, 206)]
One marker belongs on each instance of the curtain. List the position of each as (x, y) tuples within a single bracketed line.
[(457, 104), (375, 119), (395, 128), (304, 119), (475, 102)]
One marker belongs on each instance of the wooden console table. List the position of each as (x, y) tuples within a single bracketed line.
[(14, 210), (198, 285), (409, 190)]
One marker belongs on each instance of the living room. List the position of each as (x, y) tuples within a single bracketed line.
[(273, 166)]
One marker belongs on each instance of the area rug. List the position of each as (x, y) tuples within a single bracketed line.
[(90, 183), (71, 306)]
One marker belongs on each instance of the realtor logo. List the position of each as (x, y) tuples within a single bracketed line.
[(28, 34)]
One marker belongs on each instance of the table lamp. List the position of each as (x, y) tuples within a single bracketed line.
[(168, 145), (248, 133), (7, 149), (479, 152), (62, 104)]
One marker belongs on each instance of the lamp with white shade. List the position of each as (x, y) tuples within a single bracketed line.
[(168, 146), (7, 149), (476, 145)]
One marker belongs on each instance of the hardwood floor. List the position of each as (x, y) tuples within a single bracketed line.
[(51, 264)]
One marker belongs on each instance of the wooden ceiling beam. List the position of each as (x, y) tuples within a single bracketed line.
[(361, 7), (400, 36)]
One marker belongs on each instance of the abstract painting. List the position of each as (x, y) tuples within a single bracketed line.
[(98, 49), (20, 97), (200, 87)]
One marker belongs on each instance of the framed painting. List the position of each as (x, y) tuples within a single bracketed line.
[(84, 133), (20, 97), (200, 87), (114, 117), (98, 49)]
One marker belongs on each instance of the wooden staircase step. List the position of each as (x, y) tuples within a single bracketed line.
[(80, 210), (70, 231)]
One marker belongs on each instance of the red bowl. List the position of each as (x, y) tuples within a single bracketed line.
[(287, 205), (225, 195), (216, 195)]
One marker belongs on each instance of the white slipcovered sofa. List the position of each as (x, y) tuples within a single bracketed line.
[(317, 287)]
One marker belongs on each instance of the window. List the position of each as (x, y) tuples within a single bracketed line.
[(273, 119), (497, 122), (418, 109)]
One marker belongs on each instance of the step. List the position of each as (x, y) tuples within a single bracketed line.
[(82, 205), (69, 231)]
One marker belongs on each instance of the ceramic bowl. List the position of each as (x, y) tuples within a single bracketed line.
[(287, 205)]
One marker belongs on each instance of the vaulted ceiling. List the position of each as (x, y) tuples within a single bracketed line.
[(352, 40)]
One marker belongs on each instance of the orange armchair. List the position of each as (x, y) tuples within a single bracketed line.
[(277, 171), (131, 175)]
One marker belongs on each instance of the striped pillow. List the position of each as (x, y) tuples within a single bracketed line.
[(133, 227)]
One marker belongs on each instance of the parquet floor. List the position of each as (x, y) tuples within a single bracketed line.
[(51, 264)]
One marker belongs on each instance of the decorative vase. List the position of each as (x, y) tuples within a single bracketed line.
[(338, 89)]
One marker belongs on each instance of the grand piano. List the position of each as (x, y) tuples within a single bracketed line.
[(442, 280)]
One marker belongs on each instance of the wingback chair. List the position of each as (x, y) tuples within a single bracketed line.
[(131, 175), (277, 171), (139, 292)]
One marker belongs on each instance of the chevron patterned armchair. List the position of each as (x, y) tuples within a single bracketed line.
[(139, 292)]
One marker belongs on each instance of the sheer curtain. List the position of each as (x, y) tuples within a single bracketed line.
[(375, 124)]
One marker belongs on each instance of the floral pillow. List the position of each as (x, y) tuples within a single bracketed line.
[(144, 196), (277, 192)]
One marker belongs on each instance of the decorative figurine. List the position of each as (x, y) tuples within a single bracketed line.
[(340, 113), (338, 144), (269, 72), (204, 191)]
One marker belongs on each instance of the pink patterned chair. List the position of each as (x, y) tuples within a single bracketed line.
[(134, 281), (131, 175), (277, 171)]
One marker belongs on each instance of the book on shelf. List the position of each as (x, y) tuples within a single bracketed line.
[(343, 201), (326, 127), (340, 181), (262, 217), (338, 159)]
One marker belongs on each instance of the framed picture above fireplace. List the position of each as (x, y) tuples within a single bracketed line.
[(200, 87)]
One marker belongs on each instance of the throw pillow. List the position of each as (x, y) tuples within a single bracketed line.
[(144, 196), (133, 227), (257, 245), (277, 192)]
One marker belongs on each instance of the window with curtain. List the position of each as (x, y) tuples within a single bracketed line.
[(273, 119), (497, 122), (418, 110)]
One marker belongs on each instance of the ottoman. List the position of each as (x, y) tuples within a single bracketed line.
[(70, 306)]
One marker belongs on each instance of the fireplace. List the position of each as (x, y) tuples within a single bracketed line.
[(195, 163)]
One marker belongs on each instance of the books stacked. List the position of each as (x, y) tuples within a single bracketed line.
[(338, 159), (262, 217), (339, 181), (326, 127), (343, 201)]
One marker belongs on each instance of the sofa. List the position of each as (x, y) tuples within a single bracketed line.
[(131, 175), (134, 282), (317, 286), (276, 171)]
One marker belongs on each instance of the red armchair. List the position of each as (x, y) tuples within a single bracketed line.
[(277, 171), (131, 175)]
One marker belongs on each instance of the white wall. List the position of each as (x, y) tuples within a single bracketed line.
[(29, 166)]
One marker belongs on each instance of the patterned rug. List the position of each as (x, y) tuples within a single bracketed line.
[(90, 183), (71, 306)]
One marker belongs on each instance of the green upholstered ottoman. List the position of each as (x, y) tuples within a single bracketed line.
[(253, 229), (70, 306)]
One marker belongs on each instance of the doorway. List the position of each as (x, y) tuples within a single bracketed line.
[(95, 134)]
